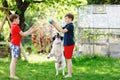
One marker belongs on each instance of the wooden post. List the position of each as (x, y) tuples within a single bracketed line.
[(23, 52), (7, 14), (3, 23)]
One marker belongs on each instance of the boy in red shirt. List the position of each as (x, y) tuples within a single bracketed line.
[(16, 35)]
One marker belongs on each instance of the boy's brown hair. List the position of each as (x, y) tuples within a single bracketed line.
[(13, 16), (69, 15)]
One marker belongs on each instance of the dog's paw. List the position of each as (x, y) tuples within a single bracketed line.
[(48, 57)]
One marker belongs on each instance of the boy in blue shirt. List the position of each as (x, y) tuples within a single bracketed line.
[(69, 42)]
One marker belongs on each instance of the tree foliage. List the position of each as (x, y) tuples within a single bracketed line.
[(20, 6), (103, 1)]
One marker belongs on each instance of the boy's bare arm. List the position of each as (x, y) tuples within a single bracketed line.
[(59, 28), (30, 31)]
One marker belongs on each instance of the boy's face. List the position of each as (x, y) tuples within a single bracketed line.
[(17, 21), (68, 20)]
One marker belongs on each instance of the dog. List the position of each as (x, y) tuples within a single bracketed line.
[(57, 52)]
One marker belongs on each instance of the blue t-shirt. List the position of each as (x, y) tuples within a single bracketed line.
[(69, 36)]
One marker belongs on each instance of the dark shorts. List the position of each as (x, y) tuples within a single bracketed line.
[(68, 51), (15, 51)]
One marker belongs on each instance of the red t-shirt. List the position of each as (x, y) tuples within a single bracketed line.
[(15, 36)]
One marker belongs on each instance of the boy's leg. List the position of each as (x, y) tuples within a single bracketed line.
[(69, 65), (13, 67), (15, 50)]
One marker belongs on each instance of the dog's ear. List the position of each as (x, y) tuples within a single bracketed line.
[(53, 38), (61, 37)]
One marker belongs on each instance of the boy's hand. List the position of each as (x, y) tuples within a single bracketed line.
[(53, 23), (34, 30)]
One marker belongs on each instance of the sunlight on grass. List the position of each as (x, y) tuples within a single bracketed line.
[(39, 58), (4, 59), (102, 72), (95, 70), (2, 72), (83, 69), (33, 70)]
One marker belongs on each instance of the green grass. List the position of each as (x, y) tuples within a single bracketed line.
[(84, 68)]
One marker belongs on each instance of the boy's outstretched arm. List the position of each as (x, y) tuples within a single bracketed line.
[(59, 28), (28, 32)]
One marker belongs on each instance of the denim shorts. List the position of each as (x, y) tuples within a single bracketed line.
[(15, 51)]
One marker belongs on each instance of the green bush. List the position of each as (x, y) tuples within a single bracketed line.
[(1, 37)]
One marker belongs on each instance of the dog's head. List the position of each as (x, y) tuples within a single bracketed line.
[(57, 38)]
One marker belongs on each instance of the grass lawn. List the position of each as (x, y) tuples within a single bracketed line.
[(84, 68)]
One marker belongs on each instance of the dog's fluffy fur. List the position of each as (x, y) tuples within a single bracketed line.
[(57, 52)]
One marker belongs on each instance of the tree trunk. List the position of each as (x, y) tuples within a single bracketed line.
[(22, 6), (22, 20)]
